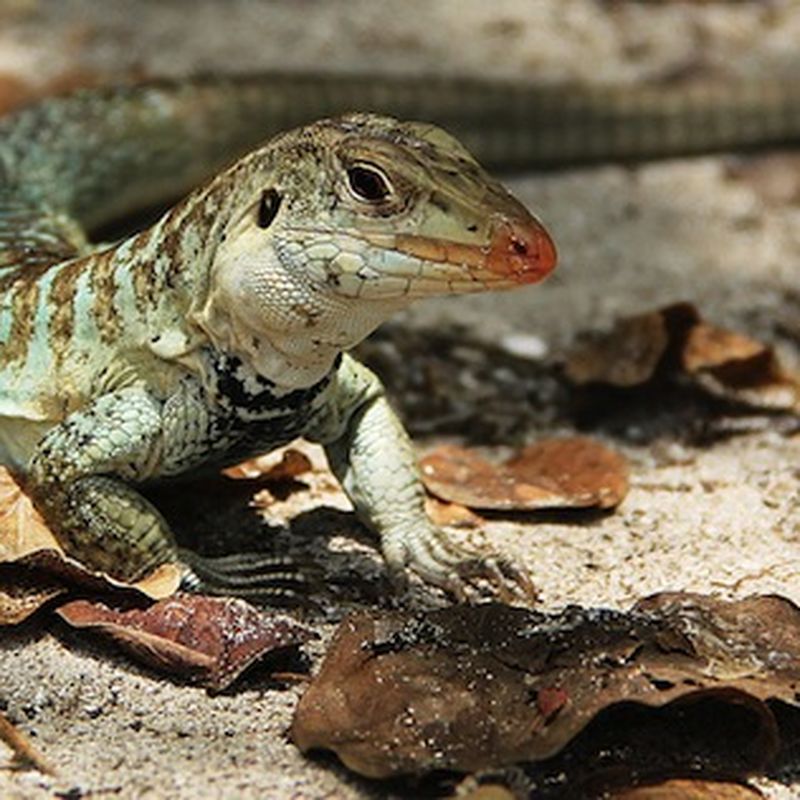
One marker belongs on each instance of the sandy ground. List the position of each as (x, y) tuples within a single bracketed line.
[(716, 518)]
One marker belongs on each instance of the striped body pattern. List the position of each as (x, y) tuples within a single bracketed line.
[(218, 333)]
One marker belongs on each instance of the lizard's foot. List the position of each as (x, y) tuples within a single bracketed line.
[(254, 576), (429, 553)]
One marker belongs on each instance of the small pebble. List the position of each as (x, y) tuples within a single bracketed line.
[(524, 345)]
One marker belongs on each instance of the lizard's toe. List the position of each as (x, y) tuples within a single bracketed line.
[(255, 576), (464, 573), (510, 582)]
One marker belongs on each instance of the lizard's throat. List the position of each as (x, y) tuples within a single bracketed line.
[(293, 345)]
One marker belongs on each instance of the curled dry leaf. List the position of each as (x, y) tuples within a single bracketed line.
[(627, 355), (34, 568), (735, 366), (208, 639), (554, 473), (486, 687), (23, 591), (22, 529), (676, 339), (282, 465), (452, 514)]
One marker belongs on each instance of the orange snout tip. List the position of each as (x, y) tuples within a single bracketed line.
[(521, 251)]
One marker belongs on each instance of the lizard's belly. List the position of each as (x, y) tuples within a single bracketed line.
[(203, 442)]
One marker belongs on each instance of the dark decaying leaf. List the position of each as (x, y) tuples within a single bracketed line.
[(34, 568), (675, 339), (474, 688), (208, 639), (554, 473)]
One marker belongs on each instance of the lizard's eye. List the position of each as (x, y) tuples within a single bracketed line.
[(367, 183)]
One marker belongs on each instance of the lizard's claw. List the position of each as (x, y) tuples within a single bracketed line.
[(433, 556)]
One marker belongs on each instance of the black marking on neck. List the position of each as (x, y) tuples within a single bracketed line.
[(262, 397)]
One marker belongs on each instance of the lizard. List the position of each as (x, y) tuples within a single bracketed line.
[(221, 330)]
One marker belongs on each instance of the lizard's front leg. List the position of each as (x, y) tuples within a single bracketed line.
[(374, 460), (81, 478)]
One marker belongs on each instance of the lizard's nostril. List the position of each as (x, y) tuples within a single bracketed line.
[(521, 250)]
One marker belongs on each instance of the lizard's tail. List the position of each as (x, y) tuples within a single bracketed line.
[(97, 155)]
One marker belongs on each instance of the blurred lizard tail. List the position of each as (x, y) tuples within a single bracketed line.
[(97, 155)]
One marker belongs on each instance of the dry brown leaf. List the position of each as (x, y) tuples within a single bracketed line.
[(24, 591), (675, 339), (22, 529), (626, 356), (571, 472), (281, 466), (34, 568), (210, 639), (687, 790), (484, 687), (14, 91), (584, 471), (735, 366), (443, 514)]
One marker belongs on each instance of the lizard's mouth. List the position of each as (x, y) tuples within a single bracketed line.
[(518, 252)]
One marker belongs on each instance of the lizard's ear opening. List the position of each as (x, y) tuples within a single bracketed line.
[(268, 208)]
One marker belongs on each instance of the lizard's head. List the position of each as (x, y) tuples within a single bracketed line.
[(346, 220), (401, 209)]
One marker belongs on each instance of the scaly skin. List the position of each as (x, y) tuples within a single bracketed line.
[(207, 338), (218, 334)]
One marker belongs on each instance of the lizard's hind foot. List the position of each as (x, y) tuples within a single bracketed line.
[(267, 579)]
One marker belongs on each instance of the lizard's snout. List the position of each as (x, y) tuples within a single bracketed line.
[(521, 251), (517, 251)]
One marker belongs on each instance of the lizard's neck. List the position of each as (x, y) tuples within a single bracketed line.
[(293, 340), (233, 286)]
